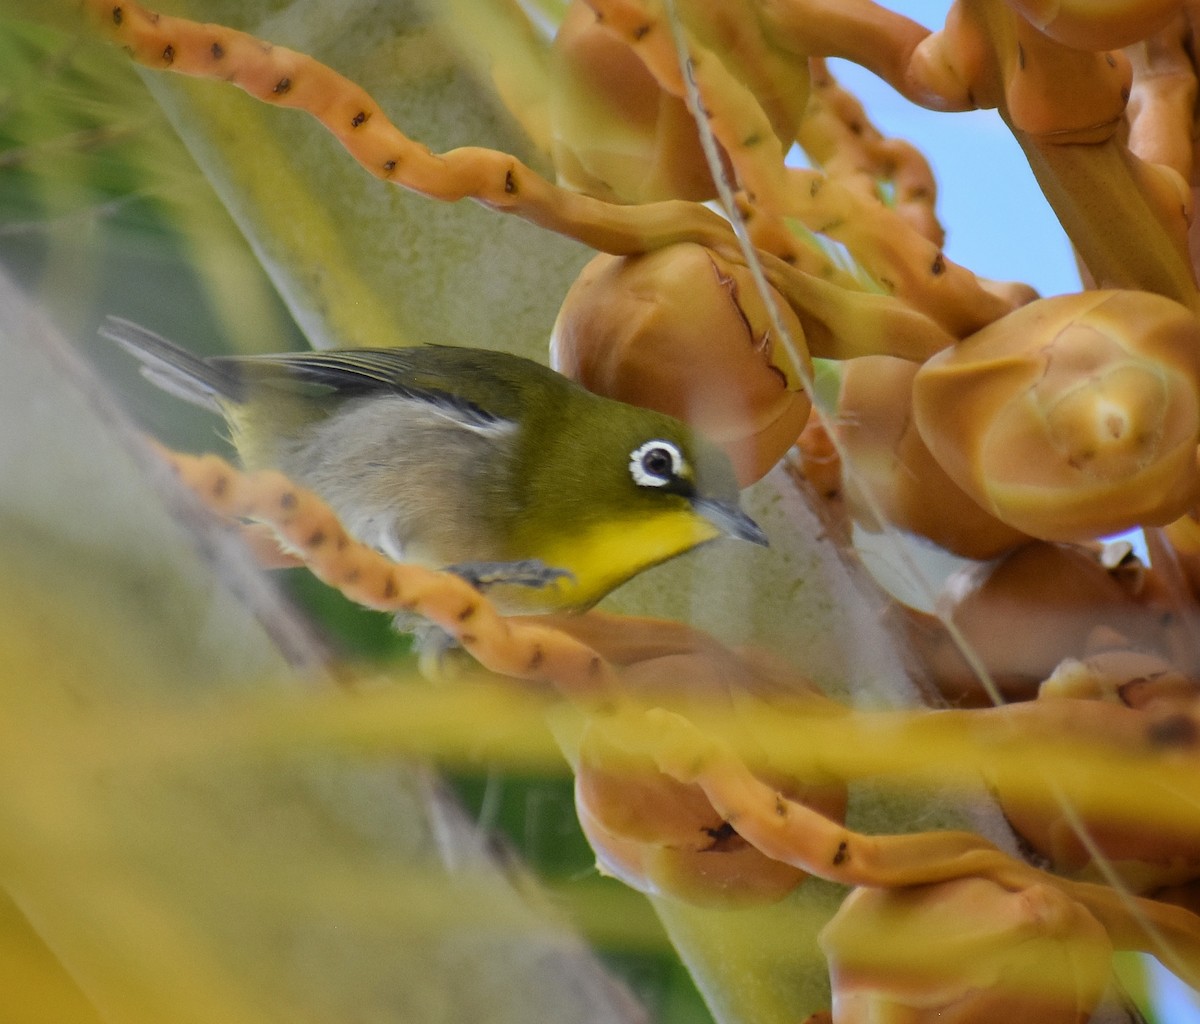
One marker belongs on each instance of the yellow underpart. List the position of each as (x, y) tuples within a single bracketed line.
[(610, 553)]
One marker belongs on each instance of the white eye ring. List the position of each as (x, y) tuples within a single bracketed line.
[(656, 464)]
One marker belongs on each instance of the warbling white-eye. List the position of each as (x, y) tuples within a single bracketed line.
[(482, 462)]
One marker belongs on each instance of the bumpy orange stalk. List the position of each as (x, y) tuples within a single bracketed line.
[(901, 259), (842, 324), (278, 75), (837, 135), (795, 834), (839, 323), (303, 523), (1009, 744), (1127, 218), (893, 253), (860, 31)]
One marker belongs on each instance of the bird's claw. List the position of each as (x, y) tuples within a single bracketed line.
[(529, 572), (437, 650)]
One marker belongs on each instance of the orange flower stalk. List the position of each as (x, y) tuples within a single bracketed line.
[(838, 137), (790, 832), (1127, 218), (306, 526), (627, 739), (286, 78)]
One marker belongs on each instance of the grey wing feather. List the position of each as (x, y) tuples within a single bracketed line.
[(347, 373), (353, 373), (172, 368)]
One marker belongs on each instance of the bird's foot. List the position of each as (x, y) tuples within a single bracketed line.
[(439, 655), (529, 572), (440, 658)]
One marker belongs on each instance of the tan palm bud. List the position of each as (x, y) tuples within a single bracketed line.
[(617, 135), (892, 463), (1096, 24), (1117, 699), (1071, 417), (662, 838), (965, 952), (685, 331), (1132, 678), (1058, 599), (656, 834)]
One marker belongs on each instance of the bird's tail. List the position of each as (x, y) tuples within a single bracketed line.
[(174, 369)]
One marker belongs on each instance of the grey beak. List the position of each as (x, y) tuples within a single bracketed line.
[(730, 520)]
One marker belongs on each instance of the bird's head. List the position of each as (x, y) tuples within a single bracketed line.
[(685, 474), (632, 488)]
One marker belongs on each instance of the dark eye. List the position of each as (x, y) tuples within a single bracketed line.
[(656, 464)]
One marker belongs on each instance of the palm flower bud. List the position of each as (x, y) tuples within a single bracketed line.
[(685, 331), (663, 837), (964, 951), (1117, 700), (818, 461), (619, 135), (1132, 678), (891, 461), (1087, 25), (1071, 417), (1060, 601), (1183, 537), (616, 134)]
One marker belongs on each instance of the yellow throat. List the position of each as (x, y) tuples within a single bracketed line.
[(606, 555)]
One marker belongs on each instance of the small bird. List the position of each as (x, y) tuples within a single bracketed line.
[(481, 462)]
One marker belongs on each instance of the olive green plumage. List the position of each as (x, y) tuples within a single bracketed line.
[(468, 458)]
